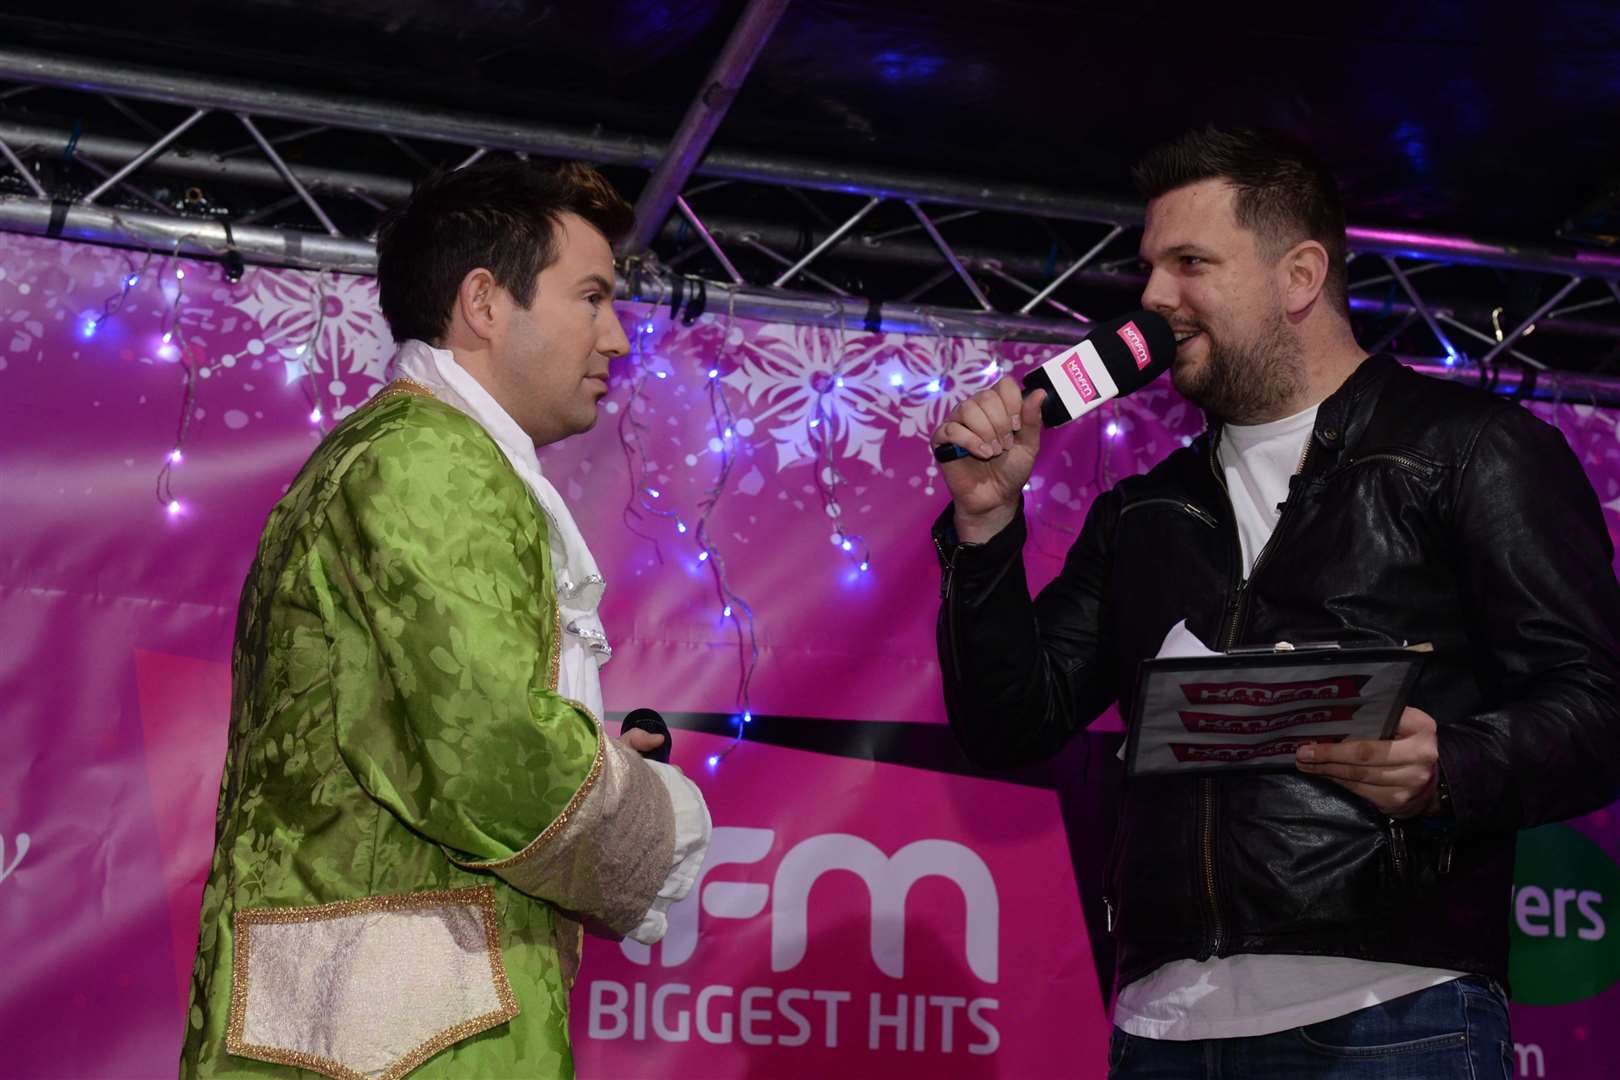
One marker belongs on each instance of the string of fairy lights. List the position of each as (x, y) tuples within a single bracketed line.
[(650, 511), (180, 347), (824, 465), (647, 499)]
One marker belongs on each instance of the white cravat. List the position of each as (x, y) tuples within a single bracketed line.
[(579, 583)]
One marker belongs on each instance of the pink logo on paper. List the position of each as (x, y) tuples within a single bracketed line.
[(1221, 723), (1076, 371), (1258, 693), (1133, 339), (1201, 753)]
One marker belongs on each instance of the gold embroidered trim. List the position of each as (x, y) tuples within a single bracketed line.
[(563, 818), (556, 644), (481, 897), (402, 385)]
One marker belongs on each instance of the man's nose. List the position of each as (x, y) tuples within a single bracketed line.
[(611, 342), (1160, 293)]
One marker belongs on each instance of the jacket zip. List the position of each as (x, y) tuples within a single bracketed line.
[(1397, 849), (1409, 461), (1397, 831), (1234, 621), (1186, 507), (947, 584), (1206, 786), (1207, 518), (1235, 614)]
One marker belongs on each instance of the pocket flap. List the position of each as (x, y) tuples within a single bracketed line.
[(367, 989)]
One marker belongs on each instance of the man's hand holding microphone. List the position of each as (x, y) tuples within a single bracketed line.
[(1001, 430), (987, 446)]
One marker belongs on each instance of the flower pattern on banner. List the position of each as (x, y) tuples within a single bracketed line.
[(796, 376), (353, 345), (895, 388), (864, 386)]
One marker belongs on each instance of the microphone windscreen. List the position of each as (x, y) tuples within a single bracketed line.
[(648, 720), (1130, 351), (1137, 348)]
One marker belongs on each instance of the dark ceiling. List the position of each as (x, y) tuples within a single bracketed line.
[(1500, 120), (1496, 121)]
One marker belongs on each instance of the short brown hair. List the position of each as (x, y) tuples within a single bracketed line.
[(500, 215), (1285, 193)]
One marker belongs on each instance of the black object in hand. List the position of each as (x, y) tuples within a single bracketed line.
[(1116, 358), (648, 720)]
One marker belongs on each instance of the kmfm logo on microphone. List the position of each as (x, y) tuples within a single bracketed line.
[(1133, 339)]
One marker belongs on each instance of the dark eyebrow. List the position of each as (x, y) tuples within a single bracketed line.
[(1178, 251), (599, 281)]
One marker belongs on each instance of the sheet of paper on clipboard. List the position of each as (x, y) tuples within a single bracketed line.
[(1198, 711)]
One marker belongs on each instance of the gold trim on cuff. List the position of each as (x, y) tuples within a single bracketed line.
[(482, 897), (607, 854), (561, 821)]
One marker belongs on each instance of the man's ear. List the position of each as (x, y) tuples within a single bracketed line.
[(1304, 273), (478, 303)]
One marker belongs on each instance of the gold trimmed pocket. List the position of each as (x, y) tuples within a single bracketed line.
[(367, 989)]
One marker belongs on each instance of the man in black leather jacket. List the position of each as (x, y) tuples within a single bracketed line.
[(1354, 910)]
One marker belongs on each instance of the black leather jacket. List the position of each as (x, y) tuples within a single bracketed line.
[(1425, 511)]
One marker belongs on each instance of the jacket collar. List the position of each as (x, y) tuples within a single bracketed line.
[(1338, 409), (1342, 407)]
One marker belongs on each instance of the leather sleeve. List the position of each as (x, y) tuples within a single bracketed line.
[(1534, 562), (1022, 676)]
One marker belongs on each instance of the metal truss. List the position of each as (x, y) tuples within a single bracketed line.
[(135, 157)]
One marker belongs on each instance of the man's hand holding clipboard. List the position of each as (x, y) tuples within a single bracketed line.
[(1399, 775), (1331, 710)]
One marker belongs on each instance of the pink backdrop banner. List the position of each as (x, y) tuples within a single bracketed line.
[(865, 912)]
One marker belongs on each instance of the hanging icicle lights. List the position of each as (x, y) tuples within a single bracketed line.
[(646, 499), (176, 345), (822, 419), (113, 303)]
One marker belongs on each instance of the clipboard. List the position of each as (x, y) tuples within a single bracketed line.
[(1250, 709)]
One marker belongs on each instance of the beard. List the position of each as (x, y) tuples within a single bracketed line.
[(1248, 382)]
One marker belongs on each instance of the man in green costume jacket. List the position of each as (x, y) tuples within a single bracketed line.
[(419, 804)]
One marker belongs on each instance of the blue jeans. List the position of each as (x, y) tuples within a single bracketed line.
[(1455, 1031)]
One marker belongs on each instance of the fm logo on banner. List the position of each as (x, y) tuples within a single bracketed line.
[(888, 880), (945, 1023), (854, 917)]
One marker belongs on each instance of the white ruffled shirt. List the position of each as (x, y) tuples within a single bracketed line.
[(579, 586)]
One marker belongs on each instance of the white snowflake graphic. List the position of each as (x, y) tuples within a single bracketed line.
[(353, 344), (863, 386), (925, 378), (801, 377)]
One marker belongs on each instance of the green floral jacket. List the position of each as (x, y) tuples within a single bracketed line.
[(409, 811)]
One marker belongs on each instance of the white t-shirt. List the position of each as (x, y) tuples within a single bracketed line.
[(1254, 994)]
